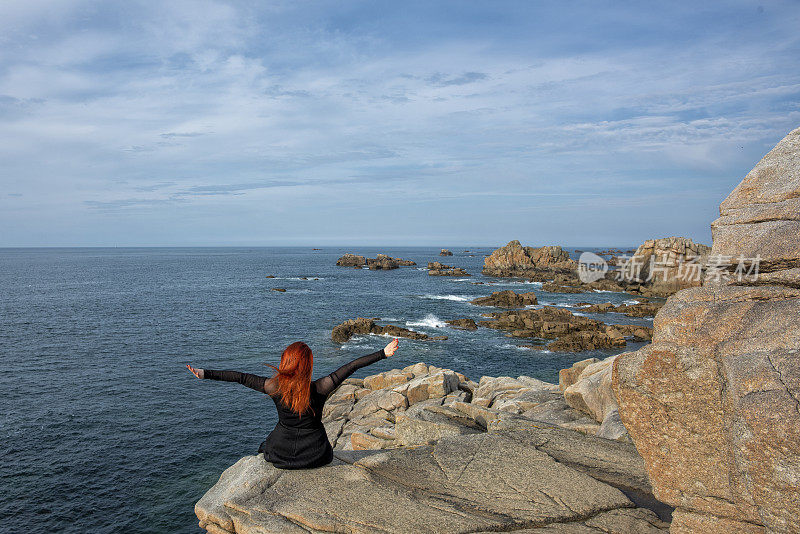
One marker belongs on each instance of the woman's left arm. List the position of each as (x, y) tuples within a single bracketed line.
[(246, 379)]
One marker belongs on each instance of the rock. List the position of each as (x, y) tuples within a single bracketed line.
[(515, 260), (612, 427), (591, 393), (363, 441), (427, 427), (506, 299), (382, 399), (446, 252), (586, 340), (574, 333), (380, 262), (270, 276), (567, 377), (663, 265), (279, 289), (712, 404), (642, 309), (435, 385), (439, 269), (466, 323), (365, 325), (351, 260), (761, 216), (387, 379), (462, 483)]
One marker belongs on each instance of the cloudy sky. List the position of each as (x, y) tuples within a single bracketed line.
[(384, 123)]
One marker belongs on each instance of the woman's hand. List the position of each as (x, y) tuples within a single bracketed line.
[(391, 347), (196, 372)]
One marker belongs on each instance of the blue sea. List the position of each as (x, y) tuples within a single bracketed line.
[(105, 430)]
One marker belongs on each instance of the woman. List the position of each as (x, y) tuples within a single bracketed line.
[(299, 439)]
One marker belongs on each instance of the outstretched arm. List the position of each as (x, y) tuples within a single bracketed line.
[(328, 383), (252, 381)]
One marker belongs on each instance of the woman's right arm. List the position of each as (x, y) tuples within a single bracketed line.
[(328, 383), (246, 379)]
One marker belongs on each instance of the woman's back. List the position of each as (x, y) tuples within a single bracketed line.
[(298, 440)]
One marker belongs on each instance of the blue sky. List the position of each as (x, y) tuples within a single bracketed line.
[(384, 123)]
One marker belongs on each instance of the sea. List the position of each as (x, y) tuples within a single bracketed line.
[(105, 430)]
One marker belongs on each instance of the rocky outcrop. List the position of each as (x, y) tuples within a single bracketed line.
[(713, 404), (446, 252), (641, 309), (380, 262), (465, 323), (351, 260), (573, 333), (514, 259), (365, 325), (507, 299), (424, 449), (439, 269), (664, 266)]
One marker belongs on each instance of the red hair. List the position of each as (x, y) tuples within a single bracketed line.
[(294, 376)]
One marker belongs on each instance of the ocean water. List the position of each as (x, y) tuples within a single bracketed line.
[(105, 430)]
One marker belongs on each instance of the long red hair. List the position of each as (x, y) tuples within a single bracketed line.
[(294, 376)]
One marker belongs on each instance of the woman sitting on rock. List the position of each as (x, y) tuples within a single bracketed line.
[(299, 439)]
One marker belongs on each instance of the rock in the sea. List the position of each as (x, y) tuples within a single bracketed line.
[(507, 299), (365, 325), (664, 266), (351, 260), (466, 323), (573, 333), (446, 252), (279, 289), (514, 259), (642, 309), (380, 262), (439, 269), (713, 404)]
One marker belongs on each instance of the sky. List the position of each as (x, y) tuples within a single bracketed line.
[(384, 123)]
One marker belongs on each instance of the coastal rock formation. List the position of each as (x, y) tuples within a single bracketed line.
[(441, 453), (506, 299), (351, 260), (466, 323), (713, 404), (514, 259), (439, 269), (641, 309), (670, 263), (380, 262), (446, 252), (573, 333), (365, 325)]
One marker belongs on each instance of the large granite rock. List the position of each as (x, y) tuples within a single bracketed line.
[(713, 404), (462, 483), (514, 259), (662, 266)]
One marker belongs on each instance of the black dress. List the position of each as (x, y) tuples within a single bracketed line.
[(298, 442)]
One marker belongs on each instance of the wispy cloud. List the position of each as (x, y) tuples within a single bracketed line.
[(244, 112)]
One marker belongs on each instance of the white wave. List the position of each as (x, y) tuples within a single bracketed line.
[(457, 298), (603, 291), (579, 313), (631, 302), (429, 320), (518, 347), (422, 268), (389, 319), (460, 279)]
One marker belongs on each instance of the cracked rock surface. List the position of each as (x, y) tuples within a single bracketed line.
[(520, 481), (712, 404)]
